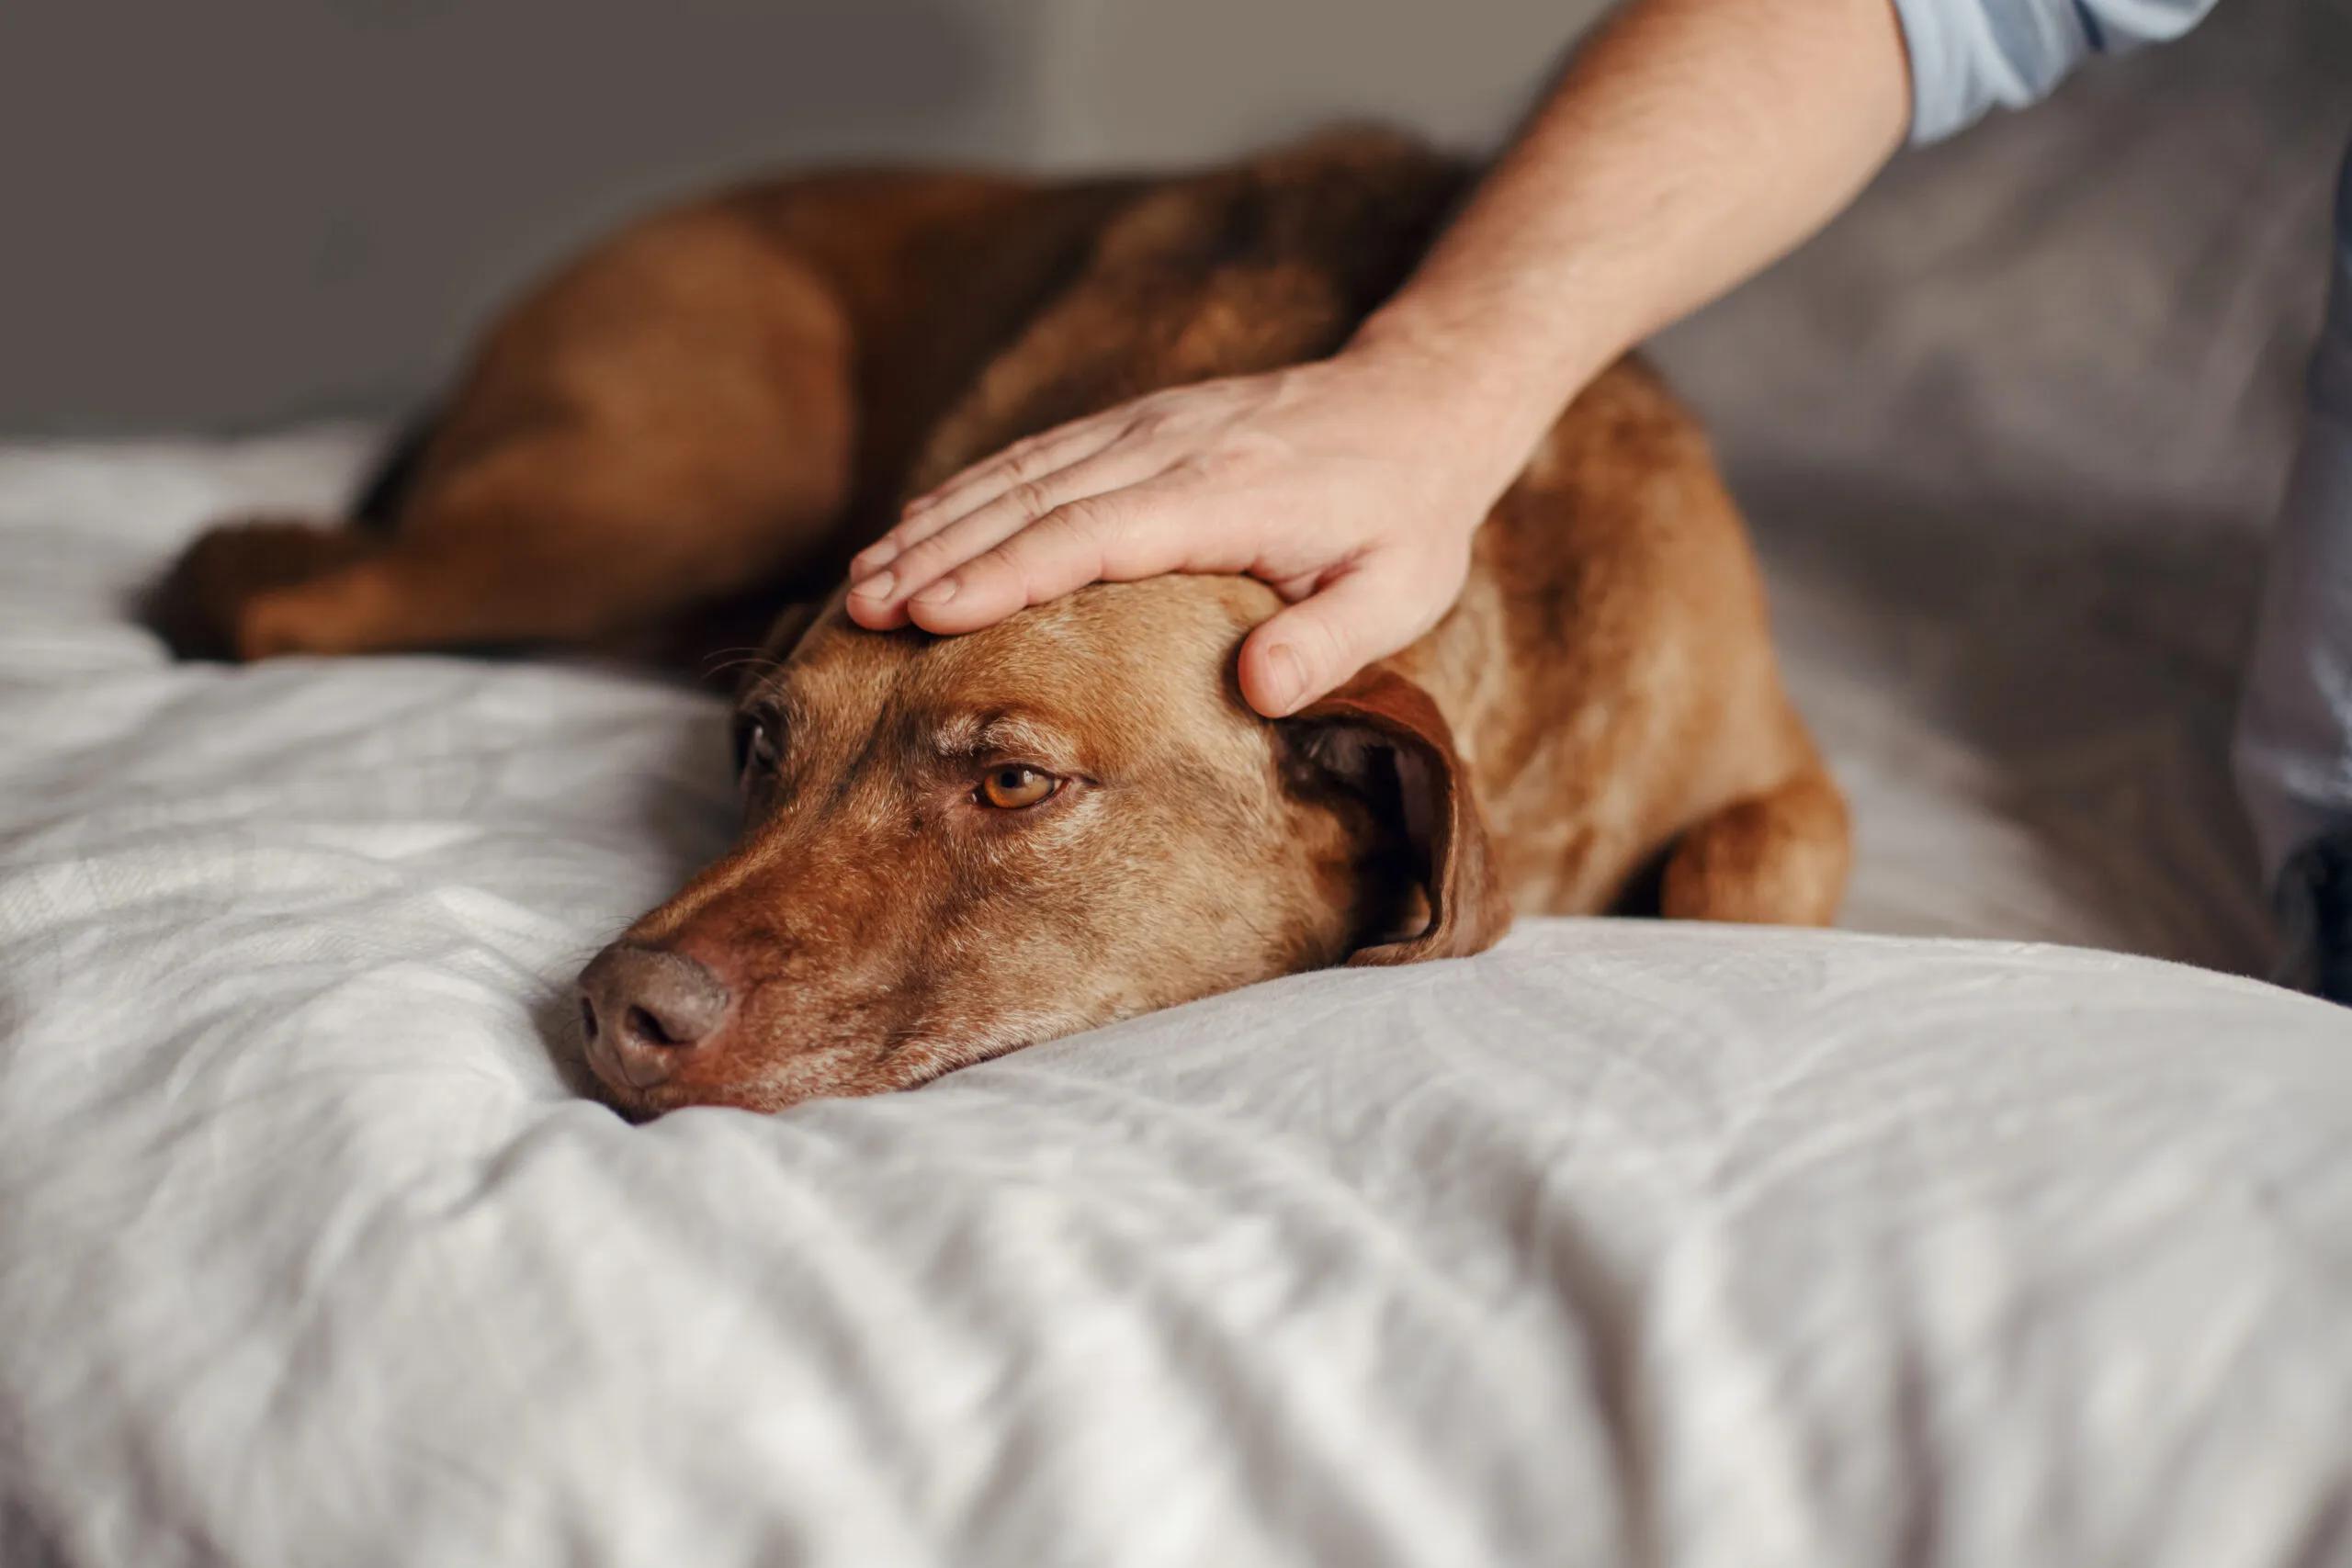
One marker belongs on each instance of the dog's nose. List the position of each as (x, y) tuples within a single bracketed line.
[(645, 1008)]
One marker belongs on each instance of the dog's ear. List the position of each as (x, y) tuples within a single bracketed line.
[(1383, 740)]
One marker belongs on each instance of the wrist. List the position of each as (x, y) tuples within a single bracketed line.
[(1482, 406)]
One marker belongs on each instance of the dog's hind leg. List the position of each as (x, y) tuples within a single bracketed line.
[(564, 539), (1779, 857), (570, 537), (666, 425), (196, 608)]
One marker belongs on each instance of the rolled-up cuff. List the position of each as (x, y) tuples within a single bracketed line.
[(1968, 55)]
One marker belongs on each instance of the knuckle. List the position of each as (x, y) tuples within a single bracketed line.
[(1066, 547), (1031, 498), (926, 557), (1251, 445), (1155, 422), (1024, 459), (981, 571), (1204, 468), (1090, 521), (1227, 465), (1076, 518)]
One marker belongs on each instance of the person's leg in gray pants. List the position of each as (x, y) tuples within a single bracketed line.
[(2294, 740)]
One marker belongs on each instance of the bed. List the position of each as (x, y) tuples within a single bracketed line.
[(2010, 1225)]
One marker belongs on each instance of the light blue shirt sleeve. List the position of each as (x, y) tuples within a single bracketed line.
[(1968, 55)]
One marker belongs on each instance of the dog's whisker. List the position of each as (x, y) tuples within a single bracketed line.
[(728, 661)]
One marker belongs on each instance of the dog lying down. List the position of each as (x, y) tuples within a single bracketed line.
[(957, 846)]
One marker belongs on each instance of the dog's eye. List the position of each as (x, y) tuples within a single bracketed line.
[(755, 746), (1014, 785)]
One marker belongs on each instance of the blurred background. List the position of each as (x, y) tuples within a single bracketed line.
[(231, 216), (228, 215)]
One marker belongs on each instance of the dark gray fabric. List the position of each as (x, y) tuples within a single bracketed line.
[(2013, 433)]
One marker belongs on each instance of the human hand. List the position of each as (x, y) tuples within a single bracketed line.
[(1350, 485)]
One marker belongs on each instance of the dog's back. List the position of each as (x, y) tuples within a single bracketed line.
[(700, 416), (724, 403), (1607, 674)]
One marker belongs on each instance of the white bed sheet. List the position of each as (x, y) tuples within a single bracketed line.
[(1625, 1244)]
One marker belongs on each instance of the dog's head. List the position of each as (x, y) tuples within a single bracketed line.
[(955, 846)]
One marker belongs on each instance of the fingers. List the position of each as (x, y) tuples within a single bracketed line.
[(1302, 652), (1026, 462), (922, 566), (1238, 475), (1102, 537)]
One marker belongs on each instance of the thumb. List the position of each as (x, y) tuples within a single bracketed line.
[(1318, 643)]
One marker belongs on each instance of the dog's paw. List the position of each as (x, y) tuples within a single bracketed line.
[(200, 606)]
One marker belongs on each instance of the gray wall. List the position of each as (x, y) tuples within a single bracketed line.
[(226, 214)]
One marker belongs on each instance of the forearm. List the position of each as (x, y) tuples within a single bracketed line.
[(1689, 144)]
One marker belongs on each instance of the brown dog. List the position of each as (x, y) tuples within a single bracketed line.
[(958, 846)]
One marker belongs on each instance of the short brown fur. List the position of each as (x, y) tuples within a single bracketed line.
[(710, 413)]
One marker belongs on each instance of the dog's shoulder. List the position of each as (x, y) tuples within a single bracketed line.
[(1244, 268), (1350, 209)]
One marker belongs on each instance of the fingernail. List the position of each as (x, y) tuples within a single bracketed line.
[(1285, 678), (878, 586), (938, 593), (873, 559)]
